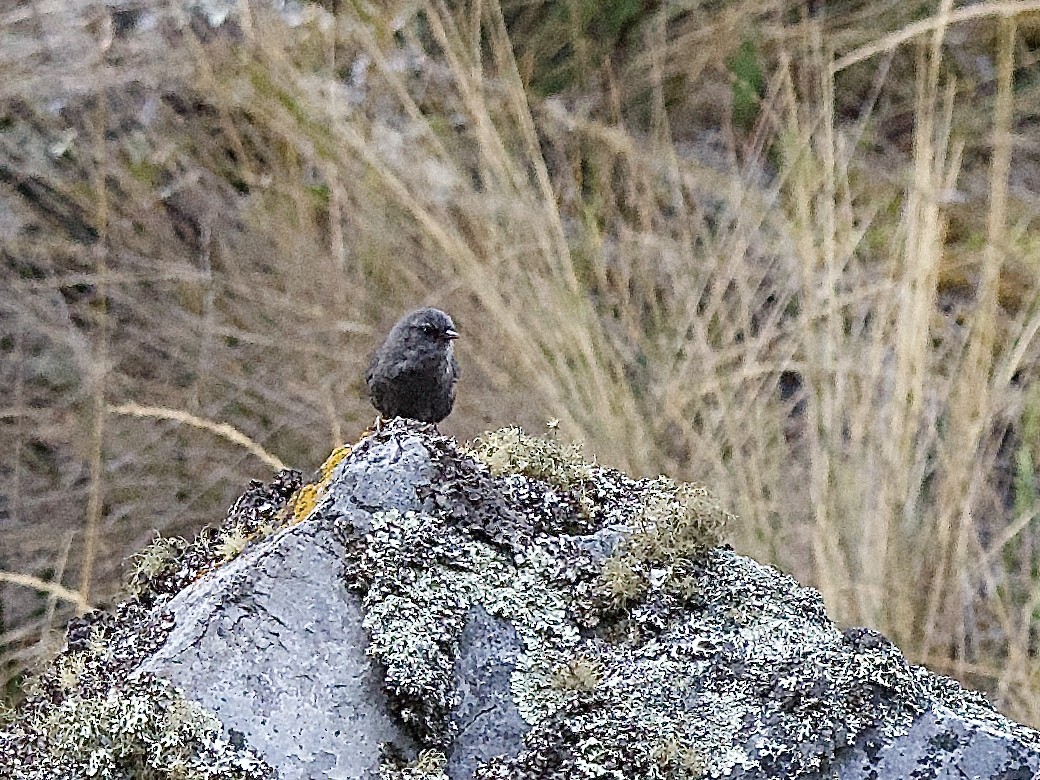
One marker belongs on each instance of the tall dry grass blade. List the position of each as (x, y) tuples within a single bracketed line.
[(971, 405), (224, 430), (808, 184), (930, 25), (52, 588), (100, 356), (984, 356)]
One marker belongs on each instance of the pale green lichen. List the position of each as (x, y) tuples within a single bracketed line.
[(144, 729), (402, 593), (622, 582), (420, 576), (91, 713), (578, 674), (428, 765), (68, 672), (147, 564), (672, 523), (511, 451), (232, 543), (676, 520)]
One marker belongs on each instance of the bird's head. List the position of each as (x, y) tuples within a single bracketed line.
[(428, 330), (432, 323)]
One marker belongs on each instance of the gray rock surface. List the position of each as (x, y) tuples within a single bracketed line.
[(488, 721), (274, 645), (941, 745), (420, 613)]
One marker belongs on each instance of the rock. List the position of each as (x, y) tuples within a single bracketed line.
[(508, 611), (274, 645)]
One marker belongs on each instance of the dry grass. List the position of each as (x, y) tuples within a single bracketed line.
[(800, 310)]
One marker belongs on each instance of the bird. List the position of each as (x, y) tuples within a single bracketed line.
[(414, 372)]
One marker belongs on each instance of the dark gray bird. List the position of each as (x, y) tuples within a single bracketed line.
[(413, 373)]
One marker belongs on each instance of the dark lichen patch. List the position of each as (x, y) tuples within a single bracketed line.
[(91, 713), (571, 743), (470, 498), (169, 565), (667, 519), (506, 507)]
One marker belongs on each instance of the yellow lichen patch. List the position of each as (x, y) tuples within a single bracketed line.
[(306, 497), (304, 501), (332, 461)]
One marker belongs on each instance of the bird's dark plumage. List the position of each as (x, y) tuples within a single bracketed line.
[(413, 373)]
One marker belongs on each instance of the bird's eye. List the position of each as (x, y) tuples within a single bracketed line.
[(427, 328)]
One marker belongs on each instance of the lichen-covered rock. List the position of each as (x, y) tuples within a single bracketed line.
[(509, 611), (97, 711)]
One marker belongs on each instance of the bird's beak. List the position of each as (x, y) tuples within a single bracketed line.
[(451, 334)]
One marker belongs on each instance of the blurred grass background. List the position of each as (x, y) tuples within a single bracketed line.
[(787, 248)]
